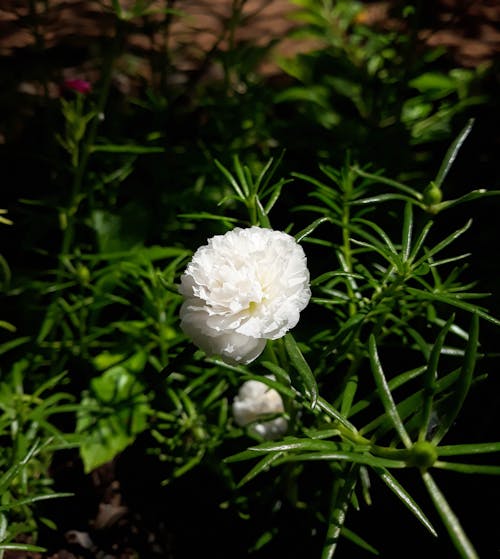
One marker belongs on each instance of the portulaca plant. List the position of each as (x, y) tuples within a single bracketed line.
[(379, 293)]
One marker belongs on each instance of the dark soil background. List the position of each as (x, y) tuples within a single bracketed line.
[(119, 511)]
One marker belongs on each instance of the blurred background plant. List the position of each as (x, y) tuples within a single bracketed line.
[(123, 153), (368, 84)]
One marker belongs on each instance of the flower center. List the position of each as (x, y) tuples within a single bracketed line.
[(252, 307)]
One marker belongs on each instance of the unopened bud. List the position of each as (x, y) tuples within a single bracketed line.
[(423, 454), (432, 194)]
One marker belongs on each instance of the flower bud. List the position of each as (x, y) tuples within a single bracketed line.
[(423, 454), (77, 85), (83, 274), (432, 194), (254, 401)]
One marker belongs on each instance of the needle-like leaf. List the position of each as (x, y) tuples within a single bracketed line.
[(450, 520), (385, 393)]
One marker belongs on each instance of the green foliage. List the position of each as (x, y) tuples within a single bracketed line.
[(379, 290), (377, 372), (363, 83), (114, 413), (30, 438)]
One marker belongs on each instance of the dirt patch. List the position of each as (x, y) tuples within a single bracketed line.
[(68, 31)]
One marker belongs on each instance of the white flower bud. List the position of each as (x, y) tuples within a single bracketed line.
[(254, 400)]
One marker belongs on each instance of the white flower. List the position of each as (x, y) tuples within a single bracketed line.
[(241, 289), (254, 400)]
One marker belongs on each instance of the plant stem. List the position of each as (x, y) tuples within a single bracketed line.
[(341, 494), (88, 143), (346, 241)]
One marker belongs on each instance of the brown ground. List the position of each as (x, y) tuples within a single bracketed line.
[(469, 29)]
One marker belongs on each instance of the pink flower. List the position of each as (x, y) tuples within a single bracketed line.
[(80, 86)]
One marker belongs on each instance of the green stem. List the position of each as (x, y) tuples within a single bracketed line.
[(341, 494), (84, 155), (88, 143), (252, 210), (232, 25), (390, 453), (347, 250)]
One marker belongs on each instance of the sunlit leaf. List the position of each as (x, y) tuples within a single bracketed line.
[(112, 416)]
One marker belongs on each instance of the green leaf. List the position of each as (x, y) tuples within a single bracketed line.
[(17, 467), (321, 188), (348, 394), (310, 228), (35, 499), (267, 173), (7, 326), (454, 302), (297, 444), (430, 378), (389, 182), (244, 176), (420, 241), (472, 448), (453, 405), (468, 468), (394, 383), (262, 466), (263, 540), (7, 346), (341, 495), (112, 416), (263, 218), (231, 180), (371, 200), (353, 457), (300, 364), (474, 195), (385, 393), (452, 153), (407, 407), (327, 408), (443, 244), (388, 243), (127, 148), (434, 83), (358, 540), (405, 498), (450, 520), (275, 194)]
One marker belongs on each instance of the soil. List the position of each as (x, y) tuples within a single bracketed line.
[(63, 34)]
